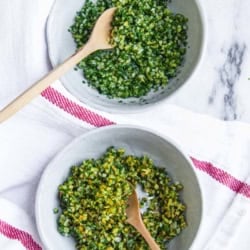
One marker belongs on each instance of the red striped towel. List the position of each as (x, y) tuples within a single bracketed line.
[(219, 151)]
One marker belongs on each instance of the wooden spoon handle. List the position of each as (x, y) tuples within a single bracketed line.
[(146, 235), (46, 81)]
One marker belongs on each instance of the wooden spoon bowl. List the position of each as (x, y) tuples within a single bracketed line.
[(134, 219)]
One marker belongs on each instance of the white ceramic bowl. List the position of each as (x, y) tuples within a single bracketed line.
[(61, 45), (136, 141)]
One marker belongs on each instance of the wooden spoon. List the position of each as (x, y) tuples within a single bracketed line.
[(134, 219), (98, 40)]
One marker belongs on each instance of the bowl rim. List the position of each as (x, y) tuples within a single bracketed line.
[(172, 142), (139, 108)]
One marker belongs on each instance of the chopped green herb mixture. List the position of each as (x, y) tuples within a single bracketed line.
[(93, 202), (150, 44)]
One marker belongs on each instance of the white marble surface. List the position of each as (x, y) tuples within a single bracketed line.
[(219, 88)]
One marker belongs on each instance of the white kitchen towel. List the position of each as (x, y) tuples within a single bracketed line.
[(219, 151), (30, 139)]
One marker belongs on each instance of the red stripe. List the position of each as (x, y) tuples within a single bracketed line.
[(88, 116), (17, 234), (74, 109), (223, 177)]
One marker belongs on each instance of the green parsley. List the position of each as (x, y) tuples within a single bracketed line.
[(150, 43), (93, 202)]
